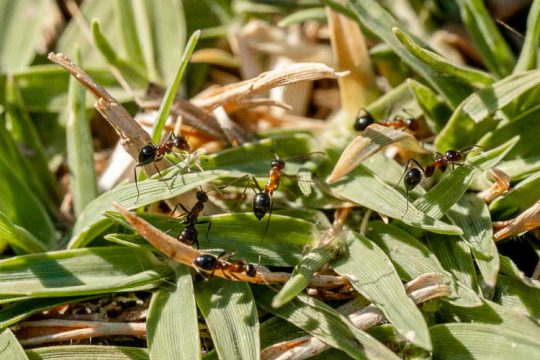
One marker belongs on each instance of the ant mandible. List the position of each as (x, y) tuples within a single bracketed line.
[(364, 119), (152, 153), (210, 263), (190, 235)]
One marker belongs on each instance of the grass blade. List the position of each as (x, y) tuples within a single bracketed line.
[(494, 50), (168, 98), (79, 148), (80, 272), (363, 188), (529, 50), (87, 352), (123, 11), (231, 315), (325, 323), (374, 17), (18, 237), (11, 349), (480, 341), (370, 272), (435, 111), (171, 307), (472, 215), (517, 199), (412, 258), (518, 296)]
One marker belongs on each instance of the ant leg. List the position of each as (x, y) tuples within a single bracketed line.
[(468, 149), (161, 177), (136, 182), (407, 168), (179, 205), (209, 227), (243, 196)]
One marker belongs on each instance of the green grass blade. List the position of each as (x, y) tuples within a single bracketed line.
[(325, 323), (124, 12), (19, 238), (435, 111), (80, 272), (363, 188), (172, 327), (133, 74), (79, 149), (518, 296), (470, 76), (87, 352), (168, 98), (374, 17), (480, 341), (243, 233), (21, 26), (11, 349), (439, 199), (495, 52), (456, 258), (15, 312), (472, 215), (231, 315), (151, 190), (511, 270), (302, 273), (412, 258), (529, 50), (371, 273)]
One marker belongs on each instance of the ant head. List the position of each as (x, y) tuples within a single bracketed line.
[(453, 156), (147, 154), (412, 124), (279, 163), (412, 178), (363, 121), (206, 262), (202, 196), (181, 143)]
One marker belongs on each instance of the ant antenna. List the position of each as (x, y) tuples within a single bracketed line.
[(509, 28)]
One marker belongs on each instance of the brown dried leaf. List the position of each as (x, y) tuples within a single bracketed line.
[(266, 81), (527, 220), (368, 143), (499, 187)]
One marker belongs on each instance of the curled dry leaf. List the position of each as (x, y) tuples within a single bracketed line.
[(421, 289), (186, 254), (266, 81), (499, 187), (368, 143), (526, 221)]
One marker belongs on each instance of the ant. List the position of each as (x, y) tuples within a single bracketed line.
[(152, 153), (210, 263), (413, 176), (399, 122), (190, 235)]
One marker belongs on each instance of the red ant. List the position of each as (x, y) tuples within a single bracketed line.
[(399, 122), (190, 235), (152, 153), (210, 263)]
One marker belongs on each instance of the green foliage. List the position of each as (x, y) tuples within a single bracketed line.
[(442, 227)]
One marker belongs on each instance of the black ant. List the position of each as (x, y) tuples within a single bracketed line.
[(413, 176), (190, 235), (399, 122), (152, 153), (210, 263)]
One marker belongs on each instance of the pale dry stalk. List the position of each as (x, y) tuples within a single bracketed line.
[(526, 221), (500, 186)]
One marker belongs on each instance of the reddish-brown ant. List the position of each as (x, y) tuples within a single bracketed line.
[(364, 119), (210, 263), (190, 235), (152, 153), (413, 176)]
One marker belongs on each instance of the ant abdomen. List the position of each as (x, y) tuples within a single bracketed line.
[(261, 204)]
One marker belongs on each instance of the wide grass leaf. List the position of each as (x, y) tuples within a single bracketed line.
[(516, 295), (11, 349), (80, 272), (529, 50), (480, 341), (472, 215), (436, 112), (320, 320), (517, 199), (231, 315), (172, 327), (87, 352), (371, 273), (18, 237), (362, 187), (412, 258)]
